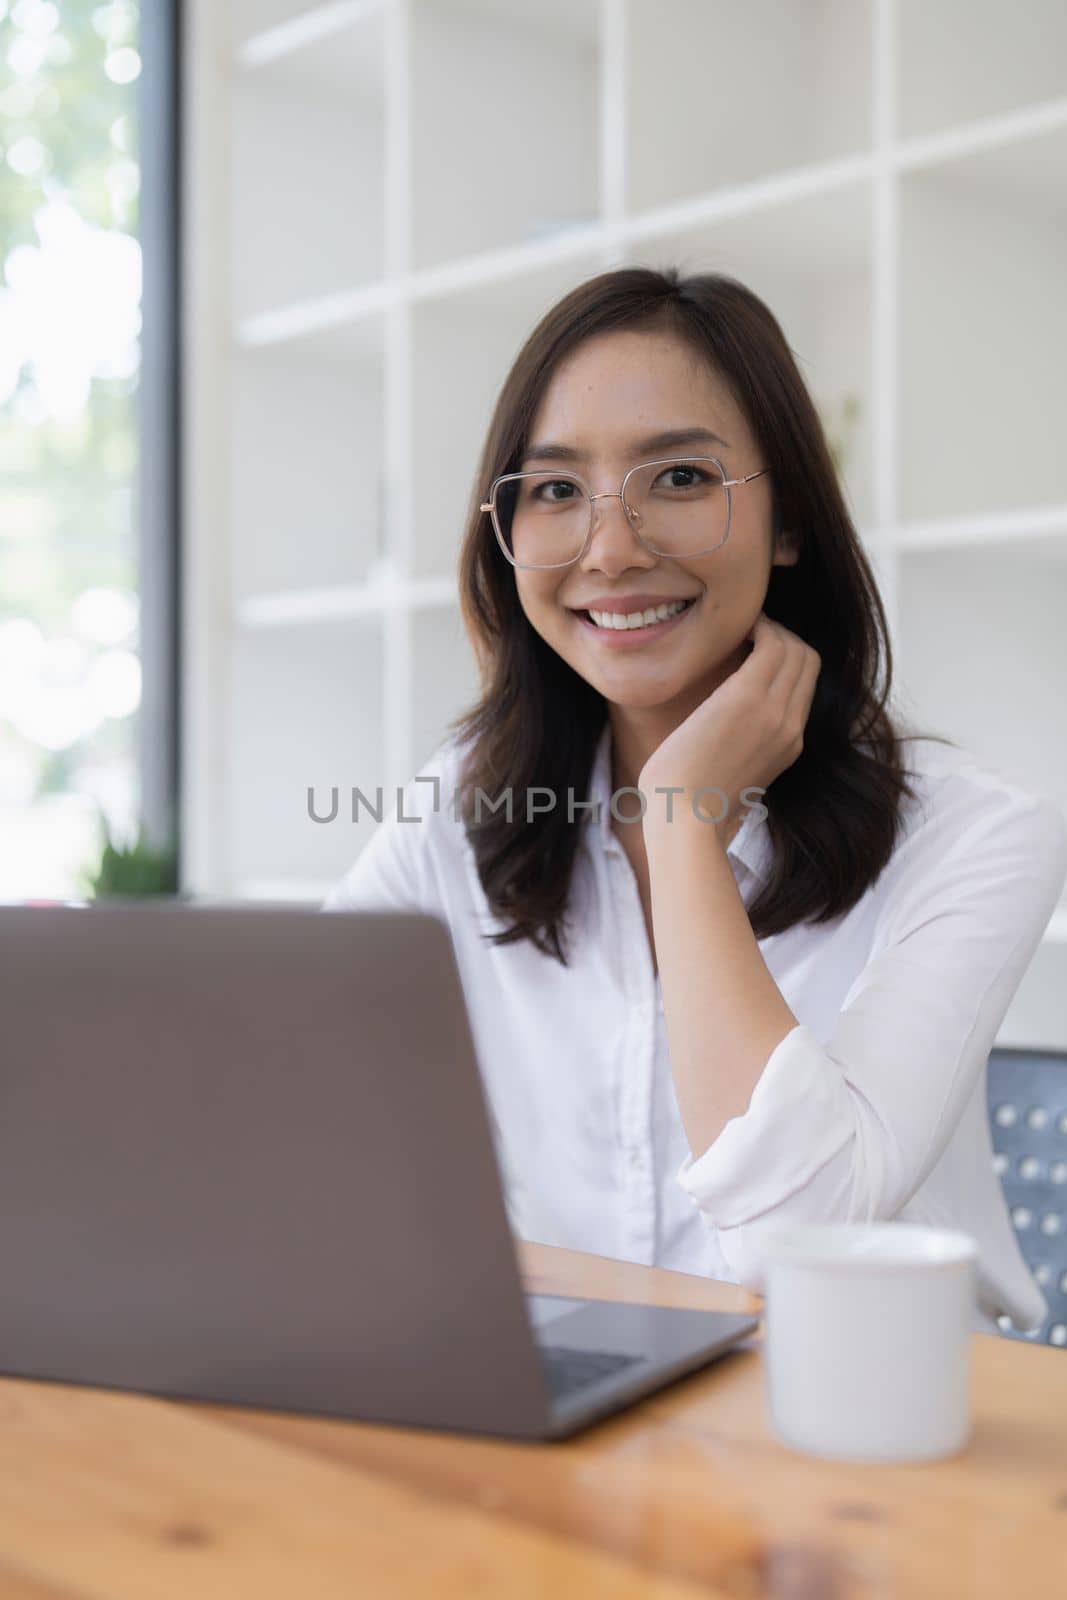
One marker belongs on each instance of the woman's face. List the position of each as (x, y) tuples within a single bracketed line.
[(609, 401)]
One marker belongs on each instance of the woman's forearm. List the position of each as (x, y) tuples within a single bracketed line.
[(724, 1012)]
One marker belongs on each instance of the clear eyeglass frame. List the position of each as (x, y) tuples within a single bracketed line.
[(728, 484)]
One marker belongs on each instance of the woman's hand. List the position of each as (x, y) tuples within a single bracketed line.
[(744, 734)]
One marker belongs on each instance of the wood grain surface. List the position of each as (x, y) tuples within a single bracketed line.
[(111, 1494)]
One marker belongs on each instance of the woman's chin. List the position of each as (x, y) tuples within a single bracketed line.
[(625, 689), (630, 679)]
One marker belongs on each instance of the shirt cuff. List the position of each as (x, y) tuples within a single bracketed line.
[(798, 1119)]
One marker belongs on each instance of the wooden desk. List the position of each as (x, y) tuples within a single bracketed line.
[(118, 1496)]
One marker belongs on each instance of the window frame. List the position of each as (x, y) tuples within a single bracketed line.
[(158, 488)]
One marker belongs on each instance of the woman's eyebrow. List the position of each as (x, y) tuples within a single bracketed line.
[(667, 440)]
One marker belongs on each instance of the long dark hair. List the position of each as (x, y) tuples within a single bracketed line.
[(834, 815)]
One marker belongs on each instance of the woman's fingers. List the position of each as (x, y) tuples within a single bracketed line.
[(798, 705), (791, 688)]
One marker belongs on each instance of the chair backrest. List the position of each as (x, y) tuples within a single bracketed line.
[(1028, 1117)]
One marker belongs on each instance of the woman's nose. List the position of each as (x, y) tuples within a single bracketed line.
[(612, 531), (629, 514)]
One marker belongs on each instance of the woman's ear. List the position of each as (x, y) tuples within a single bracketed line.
[(786, 550)]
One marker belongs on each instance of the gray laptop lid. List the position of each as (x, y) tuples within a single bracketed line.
[(232, 1142)]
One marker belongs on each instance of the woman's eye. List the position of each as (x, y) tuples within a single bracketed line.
[(548, 491), (681, 477)]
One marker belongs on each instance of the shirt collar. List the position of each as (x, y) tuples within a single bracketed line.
[(751, 844)]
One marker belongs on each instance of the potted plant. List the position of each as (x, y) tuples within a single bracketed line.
[(132, 870)]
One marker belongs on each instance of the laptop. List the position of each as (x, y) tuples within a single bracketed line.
[(246, 1157)]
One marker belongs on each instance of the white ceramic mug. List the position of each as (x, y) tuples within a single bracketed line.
[(867, 1339)]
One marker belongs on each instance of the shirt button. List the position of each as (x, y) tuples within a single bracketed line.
[(635, 1156)]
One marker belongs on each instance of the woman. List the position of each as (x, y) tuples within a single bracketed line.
[(759, 982)]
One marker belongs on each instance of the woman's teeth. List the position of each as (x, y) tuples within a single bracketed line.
[(638, 619)]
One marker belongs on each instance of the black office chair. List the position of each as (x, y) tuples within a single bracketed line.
[(1028, 1116)]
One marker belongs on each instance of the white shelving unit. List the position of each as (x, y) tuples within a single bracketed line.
[(385, 195)]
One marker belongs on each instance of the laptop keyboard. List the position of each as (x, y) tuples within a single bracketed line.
[(567, 1370)]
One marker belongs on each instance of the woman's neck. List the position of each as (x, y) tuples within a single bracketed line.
[(631, 747)]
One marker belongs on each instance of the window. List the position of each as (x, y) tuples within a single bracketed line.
[(86, 578)]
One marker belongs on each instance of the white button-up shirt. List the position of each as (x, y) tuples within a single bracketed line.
[(873, 1107)]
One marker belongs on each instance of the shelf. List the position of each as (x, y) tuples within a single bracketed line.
[(344, 312), (466, 344), (391, 194), (505, 119), (345, 320), (975, 138), (345, 315), (810, 261), (307, 169), (269, 30), (304, 711), (983, 322), (720, 94), (292, 607), (983, 654), (958, 60), (286, 608), (1037, 1018), (293, 891), (252, 20), (981, 657), (445, 679), (306, 485), (1031, 529)]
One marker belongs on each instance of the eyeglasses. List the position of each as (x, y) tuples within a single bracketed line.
[(675, 507)]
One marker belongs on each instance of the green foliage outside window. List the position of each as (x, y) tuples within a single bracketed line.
[(69, 365)]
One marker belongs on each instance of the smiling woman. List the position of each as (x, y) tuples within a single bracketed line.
[(775, 1006), (630, 363)]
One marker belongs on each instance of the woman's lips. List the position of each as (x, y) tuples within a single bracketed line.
[(616, 637)]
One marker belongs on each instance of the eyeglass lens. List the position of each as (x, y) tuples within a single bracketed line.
[(678, 508)]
